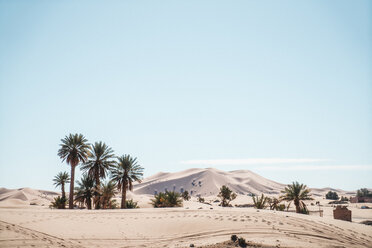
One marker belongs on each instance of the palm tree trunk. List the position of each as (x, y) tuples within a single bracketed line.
[(63, 195), (297, 203), (96, 198), (63, 191), (123, 195), (71, 196), (89, 203)]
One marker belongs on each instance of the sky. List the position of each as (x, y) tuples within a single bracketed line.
[(281, 88)]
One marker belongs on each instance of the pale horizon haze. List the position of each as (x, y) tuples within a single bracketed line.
[(281, 88)]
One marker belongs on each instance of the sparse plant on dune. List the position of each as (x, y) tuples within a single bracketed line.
[(131, 204), (260, 202), (234, 238), (167, 199), (74, 149), (226, 196), (201, 199), (297, 193), (242, 242), (59, 202), (364, 192), (186, 196), (332, 195), (124, 173), (274, 204)]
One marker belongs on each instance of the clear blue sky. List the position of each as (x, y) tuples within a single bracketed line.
[(282, 88)]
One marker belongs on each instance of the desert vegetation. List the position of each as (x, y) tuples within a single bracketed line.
[(260, 202), (297, 193), (226, 195), (363, 192), (331, 195), (98, 162), (185, 195), (167, 199)]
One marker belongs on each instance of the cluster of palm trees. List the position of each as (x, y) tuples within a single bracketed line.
[(295, 192), (97, 162)]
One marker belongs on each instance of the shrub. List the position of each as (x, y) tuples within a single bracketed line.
[(186, 196), (167, 199), (201, 199), (59, 203), (260, 203), (131, 204), (344, 198), (363, 192), (281, 207), (234, 238), (226, 196), (113, 204), (242, 242), (332, 195)]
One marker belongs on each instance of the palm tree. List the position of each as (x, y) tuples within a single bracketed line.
[(124, 173), (107, 192), (60, 180), (296, 193), (85, 191), (100, 159), (74, 149)]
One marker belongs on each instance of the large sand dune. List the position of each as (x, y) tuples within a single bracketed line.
[(25, 197), (207, 182)]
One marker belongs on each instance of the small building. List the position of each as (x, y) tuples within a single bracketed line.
[(342, 213), (360, 199)]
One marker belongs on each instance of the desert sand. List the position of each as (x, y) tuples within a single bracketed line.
[(26, 220)]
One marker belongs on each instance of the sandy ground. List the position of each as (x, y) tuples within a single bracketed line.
[(178, 227), (26, 220)]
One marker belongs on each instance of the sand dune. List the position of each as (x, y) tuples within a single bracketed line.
[(25, 197), (207, 182)]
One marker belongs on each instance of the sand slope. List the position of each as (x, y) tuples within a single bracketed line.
[(174, 228), (25, 197), (207, 182)]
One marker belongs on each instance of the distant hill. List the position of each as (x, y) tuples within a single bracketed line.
[(208, 182), (25, 196)]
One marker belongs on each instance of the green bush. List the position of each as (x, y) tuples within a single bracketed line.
[(363, 192), (201, 199), (58, 203), (131, 204), (242, 242), (332, 195), (167, 199), (186, 196), (234, 238), (226, 196), (260, 203)]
